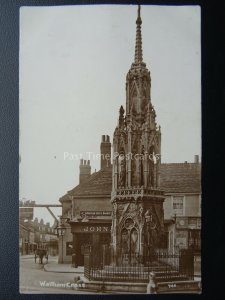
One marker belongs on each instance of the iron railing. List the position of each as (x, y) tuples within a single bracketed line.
[(136, 268)]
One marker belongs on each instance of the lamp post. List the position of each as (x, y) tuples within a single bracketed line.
[(61, 231)]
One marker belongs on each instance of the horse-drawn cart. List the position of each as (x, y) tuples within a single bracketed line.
[(41, 252)]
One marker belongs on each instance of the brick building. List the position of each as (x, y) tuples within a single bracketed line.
[(33, 232)]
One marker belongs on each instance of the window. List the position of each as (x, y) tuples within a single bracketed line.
[(178, 205)]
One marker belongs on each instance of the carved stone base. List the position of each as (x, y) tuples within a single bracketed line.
[(137, 224)]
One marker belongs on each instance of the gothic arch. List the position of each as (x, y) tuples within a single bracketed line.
[(129, 235)]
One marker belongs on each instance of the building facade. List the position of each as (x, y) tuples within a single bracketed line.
[(34, 232), (182, 206), (88, 208)]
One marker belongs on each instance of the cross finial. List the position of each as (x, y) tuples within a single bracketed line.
[(139, 13)]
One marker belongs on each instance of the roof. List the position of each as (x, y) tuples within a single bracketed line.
[(180, 177), (174, 178), (99, 183)]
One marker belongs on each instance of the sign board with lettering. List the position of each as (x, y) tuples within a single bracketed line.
[(92, 228), (93, 214)]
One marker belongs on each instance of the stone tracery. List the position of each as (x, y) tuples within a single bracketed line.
[(137, 142)]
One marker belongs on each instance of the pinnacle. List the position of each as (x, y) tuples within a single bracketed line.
[(138, 47)]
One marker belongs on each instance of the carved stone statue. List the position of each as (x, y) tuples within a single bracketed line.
[(121, 111), (122, 171)]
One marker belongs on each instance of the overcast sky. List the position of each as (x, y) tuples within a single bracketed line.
[(73, 66)]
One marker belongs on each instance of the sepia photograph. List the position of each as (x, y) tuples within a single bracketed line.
[(110, 149)]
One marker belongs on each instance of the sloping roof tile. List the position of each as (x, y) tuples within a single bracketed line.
[(180, 177), (174, 178)]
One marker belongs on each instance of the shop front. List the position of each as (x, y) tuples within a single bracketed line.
[(94, 235)]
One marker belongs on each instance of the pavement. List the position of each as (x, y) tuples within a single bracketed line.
[(62, 268), (54, 266), (27, 256)]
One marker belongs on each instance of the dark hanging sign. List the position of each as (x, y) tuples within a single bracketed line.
[(26, 213)]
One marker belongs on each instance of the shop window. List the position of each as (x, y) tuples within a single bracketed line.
[(178, 205)]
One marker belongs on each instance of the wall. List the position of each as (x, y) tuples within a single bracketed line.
[(167, 206), (192, 205), (66, 208)]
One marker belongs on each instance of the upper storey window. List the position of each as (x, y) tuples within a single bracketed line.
[(178, 205)]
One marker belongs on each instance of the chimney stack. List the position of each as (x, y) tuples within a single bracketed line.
[(105, 148), (196, 159), (85, 170)]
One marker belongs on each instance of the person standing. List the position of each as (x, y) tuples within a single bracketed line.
[(152, 286)]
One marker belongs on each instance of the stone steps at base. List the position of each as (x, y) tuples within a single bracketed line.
[(187, 286), (171, 279), (161, 275)]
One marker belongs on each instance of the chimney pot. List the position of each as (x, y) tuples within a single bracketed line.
[(196, 159), (85, 170), (105, 148)]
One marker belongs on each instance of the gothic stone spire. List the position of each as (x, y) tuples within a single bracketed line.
[(138, 47), (136, 196)]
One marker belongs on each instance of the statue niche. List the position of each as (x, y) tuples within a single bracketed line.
[(151, 167), (134, 241), (122, 169)]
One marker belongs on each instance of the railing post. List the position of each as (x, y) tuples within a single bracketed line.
[(87, 264)]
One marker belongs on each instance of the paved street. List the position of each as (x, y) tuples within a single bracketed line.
[(34, 279)]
